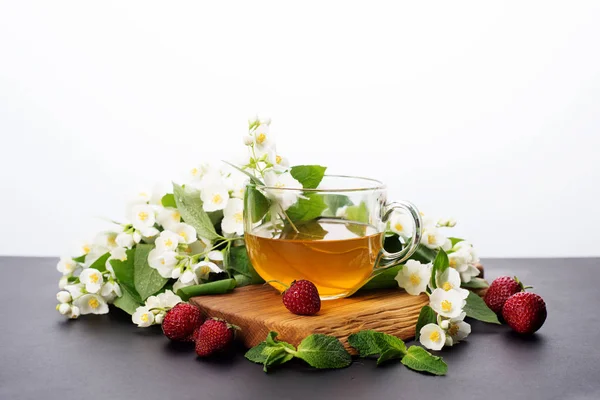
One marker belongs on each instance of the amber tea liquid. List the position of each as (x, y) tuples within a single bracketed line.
[(337, 256)]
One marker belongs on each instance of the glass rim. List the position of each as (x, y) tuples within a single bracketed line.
[(378, 185)]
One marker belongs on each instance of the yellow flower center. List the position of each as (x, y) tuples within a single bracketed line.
[(86, 249), (453, 263), (217, 199), (204, 270), (93, 303), (194, 171), (279, 185), (415, 279), (143, 194), (261, 138), (142, 215), (239, 217), (434, 336), (431, 239), (162, 261), (94, 278), (398, 226), (278, 159), (183, 235), (176, 216), (446, 305), (144, 317), (446, 286), (168, 242), (69, 267), (453, 329)]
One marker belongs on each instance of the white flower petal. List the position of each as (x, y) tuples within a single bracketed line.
[(432, 337)]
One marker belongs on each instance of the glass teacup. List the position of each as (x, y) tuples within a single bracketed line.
[(332, 235)]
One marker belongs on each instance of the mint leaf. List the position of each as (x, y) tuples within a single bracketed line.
[(147, 280), (168, 200), (306, 208), (271, 353), (359, 213), (454, 240), (336, 201), (258, 204), (426, 316), (237, 262), (477, 309), (475, 283), (127, 302), (419, 359), (124, 273), (308, 175), (371, 343), (216, 287), (190, 208), (322, 351), (439, 265)]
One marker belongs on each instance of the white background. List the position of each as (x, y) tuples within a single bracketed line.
[(485, 111)]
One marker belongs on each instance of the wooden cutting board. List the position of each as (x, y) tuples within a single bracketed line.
[(258, 309)]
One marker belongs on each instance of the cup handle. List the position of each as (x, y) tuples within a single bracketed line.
[(387, 259)]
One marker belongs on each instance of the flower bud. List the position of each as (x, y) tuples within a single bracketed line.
[(248, 140), (74, 312), (444, 324), (266, 121), (159, 318), (64, 309), (451, 223), (63, 296), (64, 281)]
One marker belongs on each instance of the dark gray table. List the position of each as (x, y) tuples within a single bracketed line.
[(44, 356)]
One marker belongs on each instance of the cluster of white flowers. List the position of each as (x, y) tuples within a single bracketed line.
[(447, 299), (265, 163), (462, 256), (154, 310)]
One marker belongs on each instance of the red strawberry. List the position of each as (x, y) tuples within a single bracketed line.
[(525, 312), (302, 298), (181, 321), (500, 290), (213, 335)]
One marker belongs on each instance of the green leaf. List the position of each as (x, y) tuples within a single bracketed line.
[(124, 273), (258, 204), (309, 230), (371, 343), (79, 259), (147, 280), (100, 263), (359, 213), (308, 175), (237, 262), (426, 316), (322, 351), (419, 359), (424, 254), (127, 302), (385, 279), (216, 287), (271, 353), (168, 200), (454, 240), (190, 208), (306, 208), (477, 309), (475, 283), (336, 201), (439, 265)]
